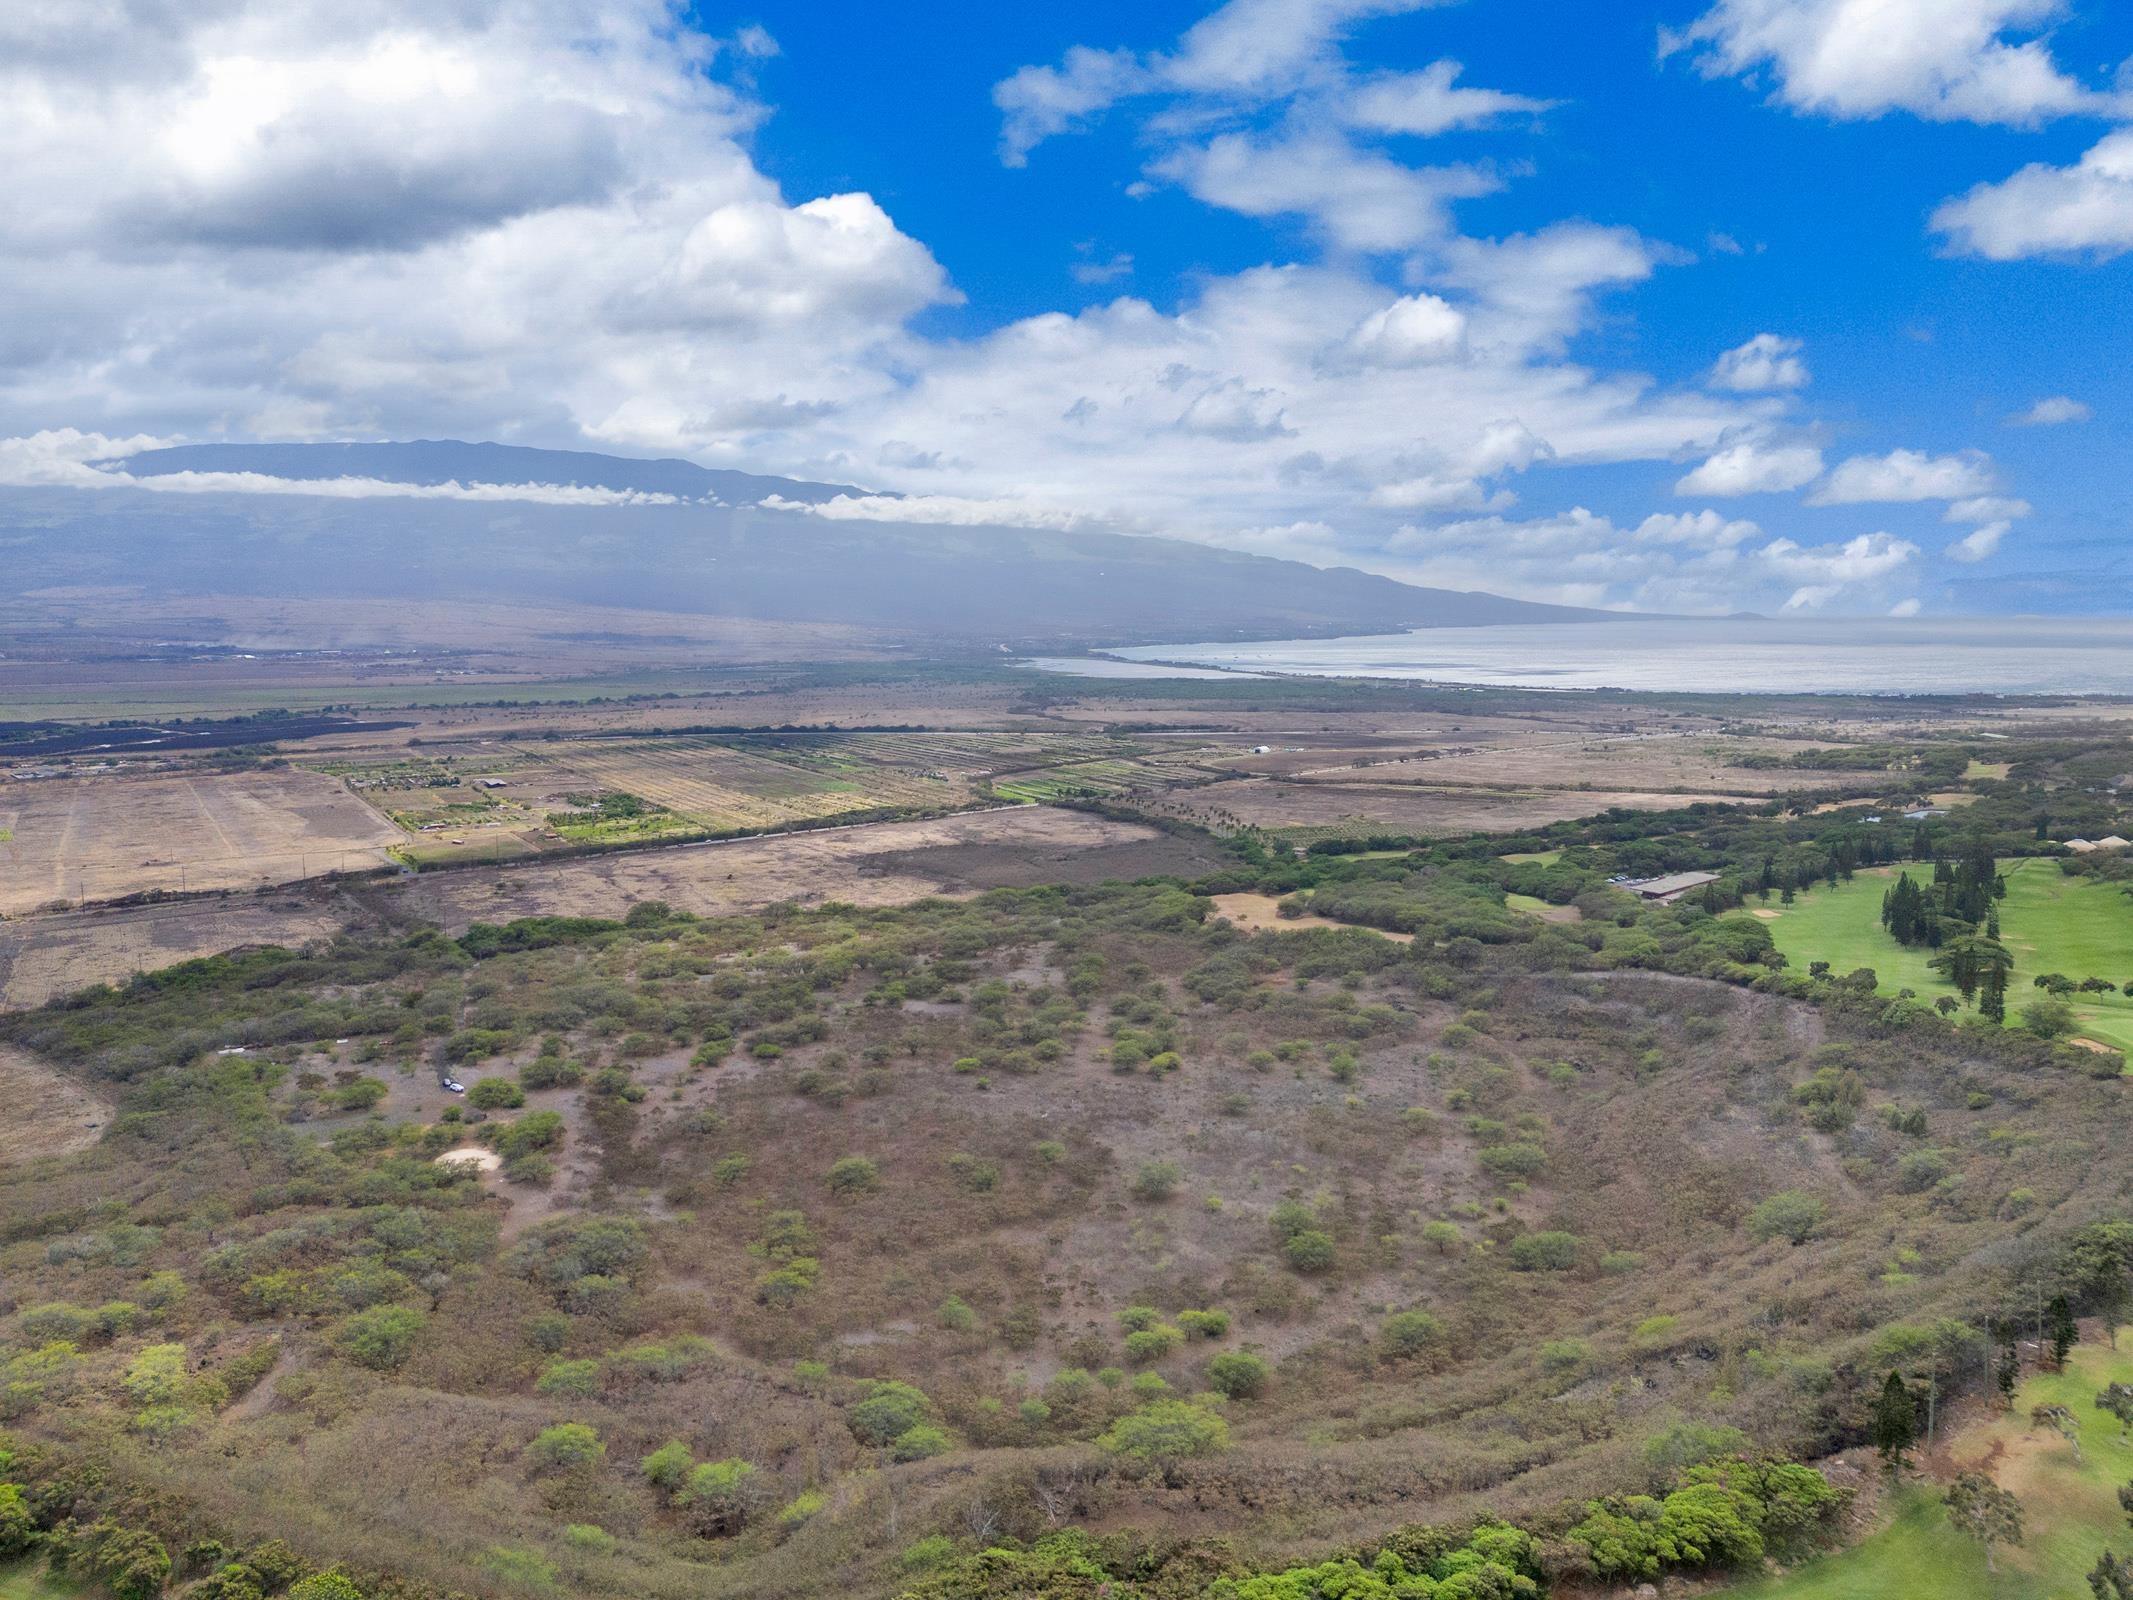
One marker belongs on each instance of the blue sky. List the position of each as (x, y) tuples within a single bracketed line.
[(1443, 290)]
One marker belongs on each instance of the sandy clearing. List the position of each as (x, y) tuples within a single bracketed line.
[(1258, 913), (49, 1114), (472, 1155)]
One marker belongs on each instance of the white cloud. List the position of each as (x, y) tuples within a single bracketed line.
[(1946, 60), (1753, 468), (1987, 508), (1766, 362), (1360, 199), (1038, 102), (1907, 476), (1430, 102), (1907, 608), (1260, 47), (2085, 209), (65, 458), (1869, 556), (1109, 270), (2054, 412), (476, 220), (1699, 562), (1979, 545), (1417, 329)]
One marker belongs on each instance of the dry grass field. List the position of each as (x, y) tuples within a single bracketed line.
[(1304, 810), (48, 1113), (101, 837), (874, 864)]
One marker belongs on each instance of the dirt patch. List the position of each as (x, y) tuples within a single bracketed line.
[(2098, 1046), (1260, 913), (472, 1155), (48, 1114), (1766, 916)]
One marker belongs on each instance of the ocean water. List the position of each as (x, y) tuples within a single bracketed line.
[(1876, 656)]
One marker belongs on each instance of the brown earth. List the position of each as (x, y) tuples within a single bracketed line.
[(48, 1114)]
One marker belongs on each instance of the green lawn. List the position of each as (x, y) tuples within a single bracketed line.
[(1539, 858), (2070, 1512), (26, 1580), (2052, 923)]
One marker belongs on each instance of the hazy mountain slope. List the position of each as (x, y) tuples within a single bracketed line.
[(717, 559)]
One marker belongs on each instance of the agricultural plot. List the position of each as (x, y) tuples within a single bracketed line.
[(107, 837), (2077, 927), (717, 788)]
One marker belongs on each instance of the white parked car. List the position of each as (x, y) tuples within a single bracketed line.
[(453, 1086)]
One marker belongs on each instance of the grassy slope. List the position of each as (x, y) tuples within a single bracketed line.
[(2051, 922), (2070, 1511), (26, 1580)]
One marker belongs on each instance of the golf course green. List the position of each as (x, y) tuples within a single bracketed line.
[(2070, 1509), (2079, 927)]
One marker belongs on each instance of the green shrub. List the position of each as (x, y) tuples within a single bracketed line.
[(1545, 1252), (921, 1443), (668, 1466), (854, 1175), (381, 1338), (1309, 1251), (1237, 1373), (888, 1410), (1790, 1214), (1406, 1334), (1157, 1180), (1204, 1324), (577, 1379), (495, 1094), (1152, 1344), (588, 1539), (1166, 1430), (1134, 1318), (1514, 1160), (566, 1447)]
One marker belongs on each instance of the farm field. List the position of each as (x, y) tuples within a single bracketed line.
[(2052, 923), (1305, 811), (2070, 1509), (103, 837)]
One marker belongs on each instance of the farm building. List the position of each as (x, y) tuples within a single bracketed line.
[(1669, 889), (2083, 847)]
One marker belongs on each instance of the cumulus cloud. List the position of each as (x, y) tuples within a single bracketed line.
[(1907, 608), (1415, 329), (1360, 199), (464, 219), (1977, 546), (2054, 412), (1766, 362), (1987, 508), (1946, 60), (1907, 476), (1694, 562), (2085, 209), (1039, 102), (1213, 129), (1753, 468), (1431, 102)]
